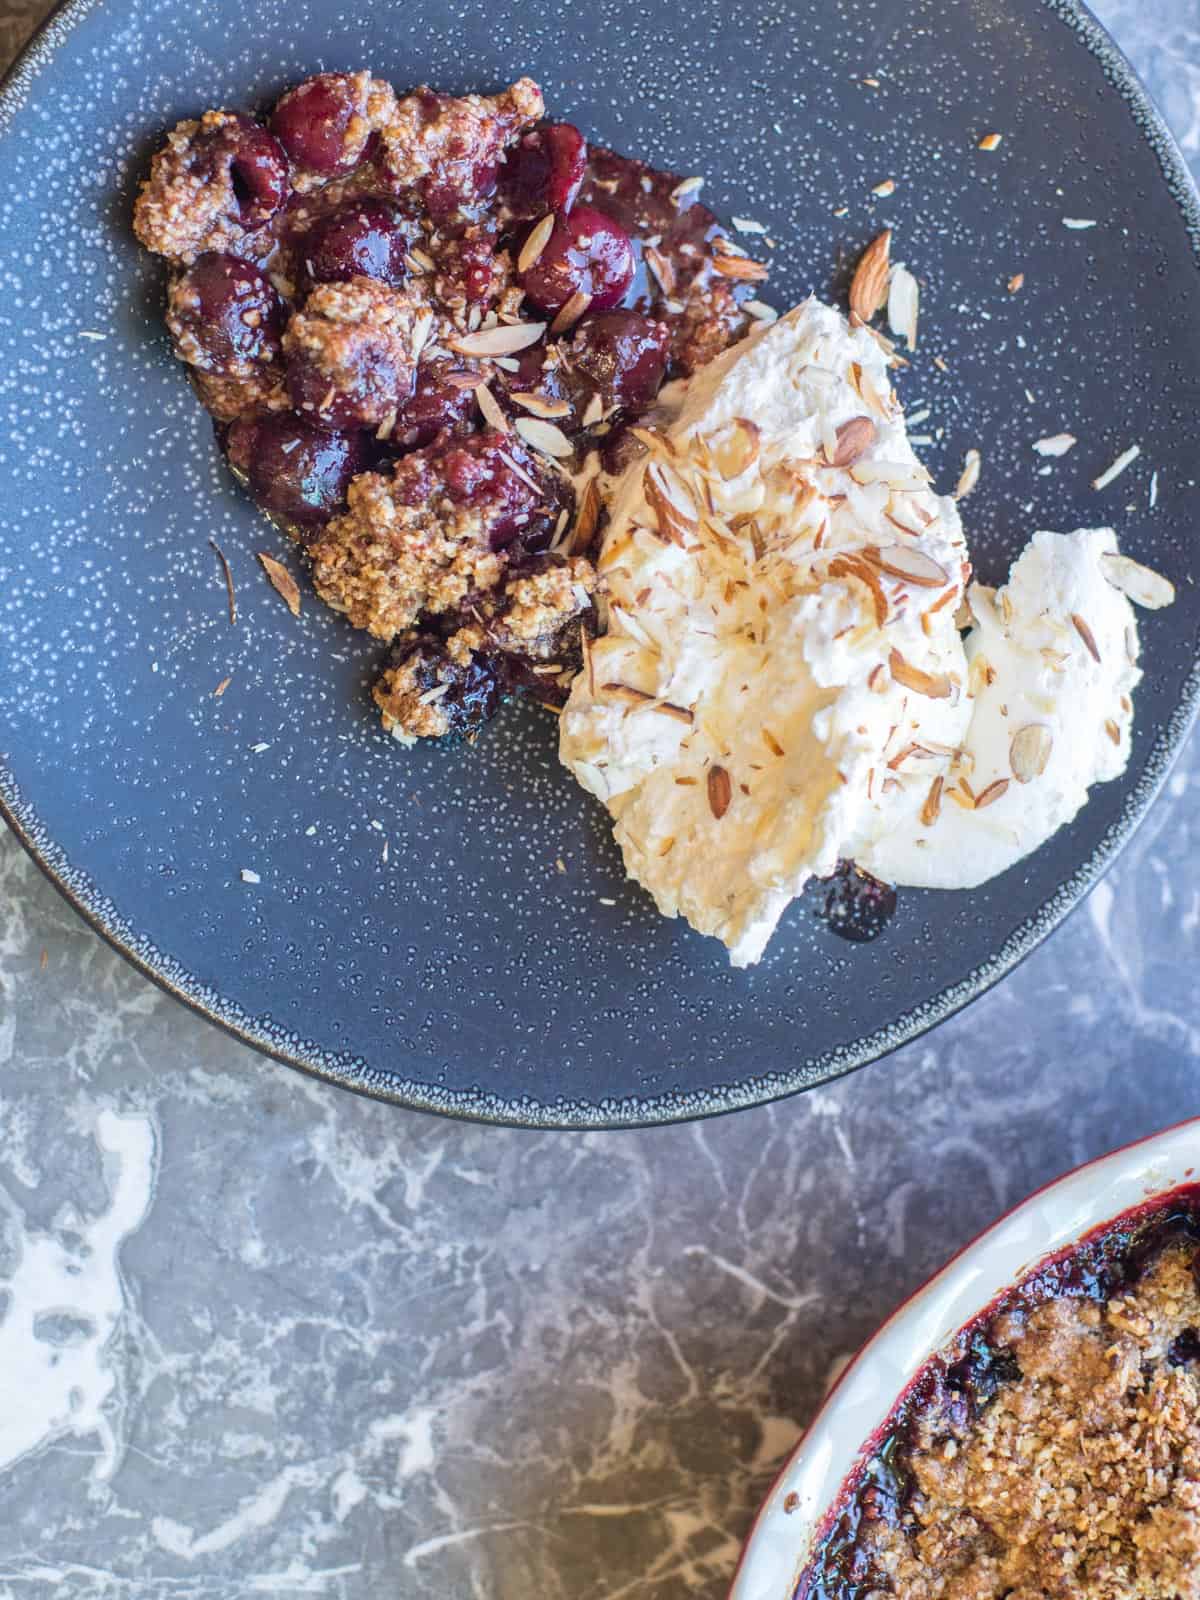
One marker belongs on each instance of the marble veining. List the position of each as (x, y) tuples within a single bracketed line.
[(260, 1337)]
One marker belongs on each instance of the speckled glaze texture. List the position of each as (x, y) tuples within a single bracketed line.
[(460, 969), (324, 1348)]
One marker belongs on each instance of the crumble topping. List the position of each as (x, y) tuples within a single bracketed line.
[(189, 204), (226, 399), (355, 343), (450, 147), (1080, 1478)]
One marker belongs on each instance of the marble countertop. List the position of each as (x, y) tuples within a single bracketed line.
[(306, 1345)]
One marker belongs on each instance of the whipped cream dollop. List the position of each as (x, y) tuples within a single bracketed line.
[(783, 683)]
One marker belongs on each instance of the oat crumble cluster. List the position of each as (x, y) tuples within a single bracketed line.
[(1072, 1470), (417, 322)]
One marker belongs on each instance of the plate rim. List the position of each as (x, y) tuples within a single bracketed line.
[(345, 1071)]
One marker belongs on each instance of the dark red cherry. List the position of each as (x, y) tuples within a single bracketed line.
[(311, 122), (586, 253), (434, 405), (624, 355), (544, 170), (294, 468), (475, 691), (224, 315), (257, 168), (362, 239)]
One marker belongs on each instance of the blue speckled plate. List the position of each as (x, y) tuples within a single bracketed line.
[(492, 961)]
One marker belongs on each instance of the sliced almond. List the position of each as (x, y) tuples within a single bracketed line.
[(586, 518), (931, 810), (913, 565), (1085, 633), (593, 412), (903, 307), (545, 437), (991, 794), (537, 241), (490, 410), (505, 340), (1030, 751), (661, 269), (771, 742), (868, 290), (626, 692), (877, 680), (1143, 586), (1056, 445), (734, 449), (720, 791), (281, 581), (539, 406), (990, 141), (853, 439), (1112, 730), (740, 267), (671, 500), (571, 312), (934, 686), (972, 465)]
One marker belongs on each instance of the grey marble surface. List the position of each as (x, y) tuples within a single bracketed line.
[(257, 1337)]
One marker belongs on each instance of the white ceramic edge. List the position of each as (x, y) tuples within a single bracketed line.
[(860, 1403)]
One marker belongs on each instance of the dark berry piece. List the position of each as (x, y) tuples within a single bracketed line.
[(435, 405), (587, 253), (363, 239), (624, 356), (225, 315), (258, 170), (1184, 1348), (544, 170), (857, 906), (312, 122), (422, 665), (292, 467)]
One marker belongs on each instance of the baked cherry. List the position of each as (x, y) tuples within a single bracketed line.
[(258, 170), (475, 691), (544, 170), (224, 315), (312, 120), (586, 253), (623, 355), (293, 467), (364, 239), (434, 406)]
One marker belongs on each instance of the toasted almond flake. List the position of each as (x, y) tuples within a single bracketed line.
[(1016, 283), (520, 471), (544, 437), (688, 186), (884, 189), (771, 742), (626, 692), (230, 597), (1140, 584), (1056, 445), (1125, 459), (685, 783), (852, 440), (748, 225), (420, 260), (972, 464), (503, 340), (667, 845), (571, 312), (868, 290), (931, 810), (734, 448), (760, 311), (489, 407), (660, 269), (1029, 751), (740, 267), (991, 794), (431, 696), (539, 406), (247, 876), (594, 412), (913, 565), (904, 299), (221, 688), (934, 686), (1078, 223), (671, 500), (667, 708), (1112, 730), (1086, 634), (990, 141), (877, 680), (537, 241), (720, 791), (281, 581), (586, 519)]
